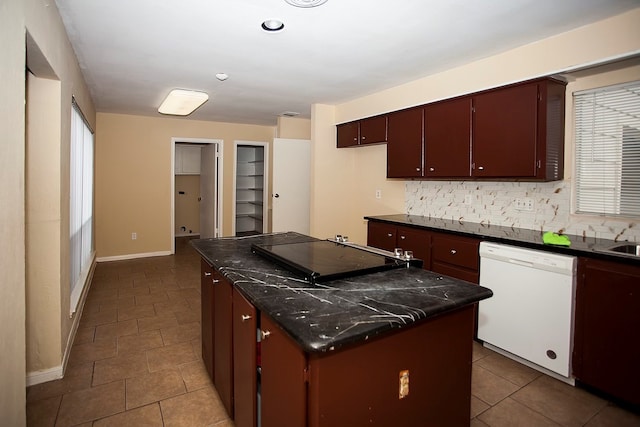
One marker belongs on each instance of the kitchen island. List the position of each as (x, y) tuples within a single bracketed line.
[(385, 348)]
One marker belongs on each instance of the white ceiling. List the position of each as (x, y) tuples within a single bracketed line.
[(133, 52)]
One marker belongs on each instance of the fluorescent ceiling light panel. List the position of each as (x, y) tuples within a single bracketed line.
[(181, 102)]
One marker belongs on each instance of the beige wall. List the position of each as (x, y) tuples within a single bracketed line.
[(187, 205), (293, 128), (605, 40), (46, 31), (43, 224), (12, 253), (49, 325), (133, 177)]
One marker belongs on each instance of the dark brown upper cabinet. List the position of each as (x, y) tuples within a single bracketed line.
[(518, 132), (447, 138), (372, 130), (405, 144)]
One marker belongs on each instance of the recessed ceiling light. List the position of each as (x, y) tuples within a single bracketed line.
[(222, 76), (181, 102), (306, 3), (272, 25), (290, 114)]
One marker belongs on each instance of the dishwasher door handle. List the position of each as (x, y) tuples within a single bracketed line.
[(520, 262)]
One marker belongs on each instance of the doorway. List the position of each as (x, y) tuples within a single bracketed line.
[(196, 167), (250, 201)]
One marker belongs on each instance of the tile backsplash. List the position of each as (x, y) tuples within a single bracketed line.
[(495, 203)]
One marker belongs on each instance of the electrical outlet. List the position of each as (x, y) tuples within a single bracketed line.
[(378, 194), (524, 204), (134, 236)]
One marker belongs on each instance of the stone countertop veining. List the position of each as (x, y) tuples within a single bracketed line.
[(580, 246), (328, 316)]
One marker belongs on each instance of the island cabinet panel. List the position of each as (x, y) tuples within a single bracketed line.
[(405, 144), (283, 384), (348, 134), (447, 138), (607, 320), (223, 340), (419, 376), (206, 293), (389, 237), (456, 256), (245, 374)]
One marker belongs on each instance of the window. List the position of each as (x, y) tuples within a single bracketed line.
[(81, 204), (607, 122)]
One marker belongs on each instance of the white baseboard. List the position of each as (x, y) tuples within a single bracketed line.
[(132, 256), (44, 376)]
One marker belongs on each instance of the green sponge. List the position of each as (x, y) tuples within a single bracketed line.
[(551, 238)]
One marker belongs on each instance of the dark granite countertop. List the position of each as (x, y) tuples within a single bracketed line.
[(325, 317), (580, 246)]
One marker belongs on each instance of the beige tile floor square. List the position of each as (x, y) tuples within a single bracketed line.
[(136, 362)]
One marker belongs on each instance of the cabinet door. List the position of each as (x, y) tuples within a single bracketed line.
[(206, 300), (405, 144), (447, 138), (504, 132), (348, 134), (381, 235), (607, 349), (223, 338), (244, 361), (283, 388), (418, 241), (373, 130)]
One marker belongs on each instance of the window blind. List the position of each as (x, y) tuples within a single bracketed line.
[(81, 204), (607, 125)]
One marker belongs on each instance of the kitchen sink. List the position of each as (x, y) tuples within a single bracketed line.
[(623, 249)]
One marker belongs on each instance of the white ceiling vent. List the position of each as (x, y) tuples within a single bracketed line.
[(306, 3), (289, 114)]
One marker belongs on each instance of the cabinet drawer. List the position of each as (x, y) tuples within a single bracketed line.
[(455, 250)]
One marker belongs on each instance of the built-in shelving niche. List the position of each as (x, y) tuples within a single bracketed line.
[(250, 190)]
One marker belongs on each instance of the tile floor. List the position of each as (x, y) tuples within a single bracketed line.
[(136, 362)]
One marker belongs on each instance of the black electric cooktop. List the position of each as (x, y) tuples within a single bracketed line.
[(324, 260)]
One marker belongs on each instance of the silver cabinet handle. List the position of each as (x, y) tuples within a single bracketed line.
[(418, 169), (480, 168), (245, 317), (432, 169), (216, 281), (389, 234), (453, 252), (364, 137), (403, 237), (265, 334), (207, 273)]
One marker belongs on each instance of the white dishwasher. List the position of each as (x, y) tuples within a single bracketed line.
[(530, 316)]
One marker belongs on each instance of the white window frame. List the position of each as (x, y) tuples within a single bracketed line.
[(81, 167), (607, 151)]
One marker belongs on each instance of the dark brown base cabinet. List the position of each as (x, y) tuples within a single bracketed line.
[(360, 385), (206, 298), (607, 328), (388, 237), (418, 376)]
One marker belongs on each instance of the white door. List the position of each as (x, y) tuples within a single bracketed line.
[(291, 185), (208, 191)]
